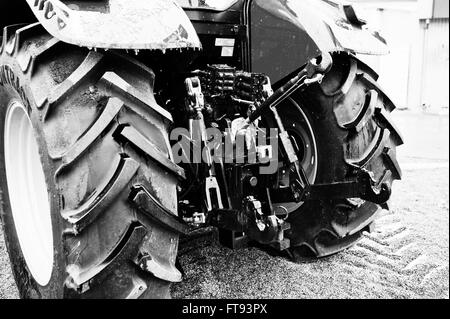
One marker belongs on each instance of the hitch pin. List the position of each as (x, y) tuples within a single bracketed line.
[(317, 78)]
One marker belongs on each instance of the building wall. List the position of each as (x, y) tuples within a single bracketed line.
[(440, 9), (416, 73), (435, 74), (398, 25)]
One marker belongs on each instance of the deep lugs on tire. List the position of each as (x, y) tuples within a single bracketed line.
[(101, 136), (349, 114)]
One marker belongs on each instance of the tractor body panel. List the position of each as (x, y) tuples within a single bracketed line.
[(332, 26), (277, 37), (292, 32)]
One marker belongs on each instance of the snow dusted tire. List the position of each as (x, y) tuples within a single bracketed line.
[(104, 150), (349, 115)]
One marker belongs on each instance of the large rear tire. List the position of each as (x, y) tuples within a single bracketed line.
[(349, 115), (103, 145)]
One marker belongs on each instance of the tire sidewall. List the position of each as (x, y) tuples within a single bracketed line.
[(14, 87)]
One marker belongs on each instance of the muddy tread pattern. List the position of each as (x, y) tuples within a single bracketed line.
[(110, 112), (22, 34), (392, 163), (373, 148), (10, 38), (79, 277), (392, 250), (384, 120), (149, 205), (89, 65), (372, 83), (145, 145), (357, 111), (365, 114), (39, 52), (107, 194), (113, 82), (105, 236), (345, 87)]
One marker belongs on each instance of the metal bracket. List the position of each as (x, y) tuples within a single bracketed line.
[(312, 73), (196, 100), (234, 222), (363, 187)]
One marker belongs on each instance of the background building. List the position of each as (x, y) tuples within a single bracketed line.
[(416, 73)]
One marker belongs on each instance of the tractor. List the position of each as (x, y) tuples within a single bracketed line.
[(128, 124)]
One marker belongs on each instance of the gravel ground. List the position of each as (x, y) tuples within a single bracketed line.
[(407, 256), (7, 285)]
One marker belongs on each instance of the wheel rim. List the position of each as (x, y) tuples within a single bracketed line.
[(305, 145), (28, 193), (305, 148)]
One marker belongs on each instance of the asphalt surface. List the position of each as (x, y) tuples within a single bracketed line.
[(407, 256)]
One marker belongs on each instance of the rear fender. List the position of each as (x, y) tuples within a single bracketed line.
[(117, 24), (333, 27)]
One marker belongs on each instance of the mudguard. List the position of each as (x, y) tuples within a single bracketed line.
[(118, 24), (331, 25)]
